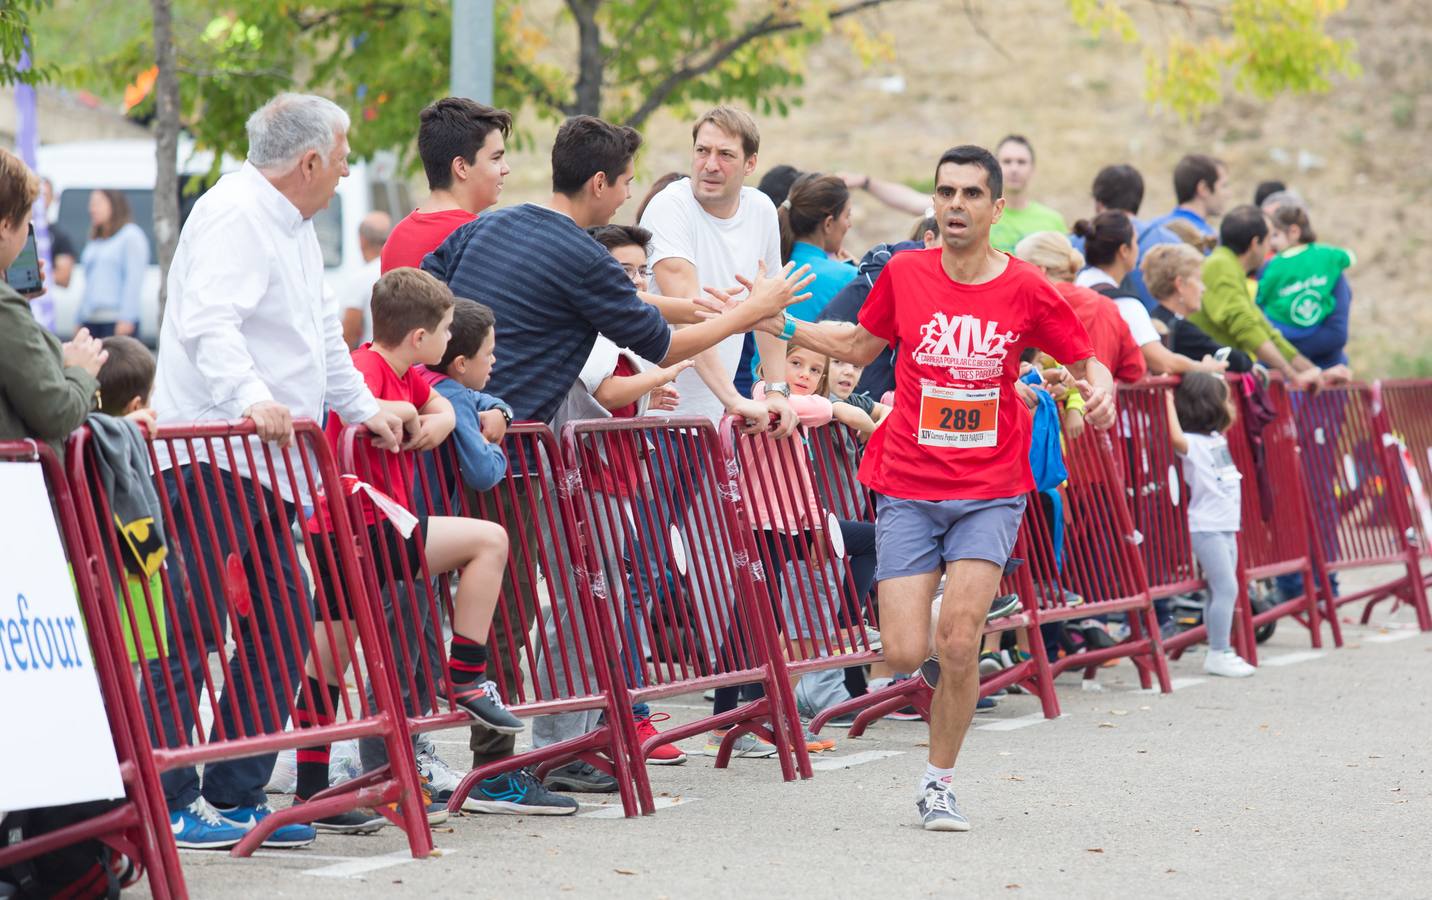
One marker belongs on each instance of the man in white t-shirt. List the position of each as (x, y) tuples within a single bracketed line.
[(355, 291), (707, 230)]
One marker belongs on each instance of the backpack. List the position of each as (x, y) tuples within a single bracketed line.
[(90, 868)]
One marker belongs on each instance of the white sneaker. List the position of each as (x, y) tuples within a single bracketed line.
[(444, 780), (1227, 663)]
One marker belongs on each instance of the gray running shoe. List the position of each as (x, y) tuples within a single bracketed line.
[(747, 745), (580, 778), (1006, 605), (938, 809)]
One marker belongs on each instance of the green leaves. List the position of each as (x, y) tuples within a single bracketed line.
[(15, 27)]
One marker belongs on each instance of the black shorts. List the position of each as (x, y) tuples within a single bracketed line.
[(392, 557)]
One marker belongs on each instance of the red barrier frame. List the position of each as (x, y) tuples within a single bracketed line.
[(139, 828), (376, 789), (1407, 405), (1363, 527), (530, 444), (596, 450)]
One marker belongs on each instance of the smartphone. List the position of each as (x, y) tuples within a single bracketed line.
[(1222, 354), (24, 274)]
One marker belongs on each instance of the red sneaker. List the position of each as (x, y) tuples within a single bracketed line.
[(663, 754)]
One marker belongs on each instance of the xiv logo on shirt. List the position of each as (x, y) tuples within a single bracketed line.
[(968, 347)]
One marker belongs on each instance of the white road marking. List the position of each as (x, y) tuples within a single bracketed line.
[(359, 866), (1176, 684), (1013, 724), (266, 854), (614, 810), (1392, 636), (1288, 659), (831, 763)]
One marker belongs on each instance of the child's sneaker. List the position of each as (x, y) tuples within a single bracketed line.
[(817, 744), (198, 827), (1227, 663), (299, 834), (481, 701), (355, 821), (662, 754)]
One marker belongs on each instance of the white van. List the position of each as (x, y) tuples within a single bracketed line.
[(78, 168)]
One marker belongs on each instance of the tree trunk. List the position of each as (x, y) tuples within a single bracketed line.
[(166, 145), (591, 63)]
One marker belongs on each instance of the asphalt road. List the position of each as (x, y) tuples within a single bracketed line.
[(1310, 779)]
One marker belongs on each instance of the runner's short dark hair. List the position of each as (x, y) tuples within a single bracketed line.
[(586, 145), (971, 155), (453, 127), (471, 324), (1267, 189)]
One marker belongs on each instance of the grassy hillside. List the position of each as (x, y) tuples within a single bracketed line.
[(1357, 153)]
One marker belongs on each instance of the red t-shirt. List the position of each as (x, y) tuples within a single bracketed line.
[(1108, 332), (958, 430), (419, 234), (385, 471)]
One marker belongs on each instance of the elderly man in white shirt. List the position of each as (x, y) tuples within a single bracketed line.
[(249, 333)]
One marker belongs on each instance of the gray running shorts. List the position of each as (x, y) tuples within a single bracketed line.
[(913, 537)]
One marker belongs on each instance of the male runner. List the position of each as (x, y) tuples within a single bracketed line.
[(951, 463)]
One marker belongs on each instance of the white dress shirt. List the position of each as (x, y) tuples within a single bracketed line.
[(248, 320)]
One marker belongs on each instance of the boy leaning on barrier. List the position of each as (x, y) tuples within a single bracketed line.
[(411, 315)]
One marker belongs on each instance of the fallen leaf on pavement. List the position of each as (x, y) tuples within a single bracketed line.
[(1119, 712), (624, 871), (1095, 850), (1107, 725)]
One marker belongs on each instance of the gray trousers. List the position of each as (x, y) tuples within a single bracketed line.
[(1217, 553)]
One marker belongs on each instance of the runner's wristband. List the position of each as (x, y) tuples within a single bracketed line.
[(788, 331)]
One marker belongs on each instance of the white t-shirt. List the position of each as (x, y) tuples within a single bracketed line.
[(581, 402), (355, 291), (1214, 484), (720, 249)]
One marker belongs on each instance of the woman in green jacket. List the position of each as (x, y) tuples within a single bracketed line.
[(46, 388)]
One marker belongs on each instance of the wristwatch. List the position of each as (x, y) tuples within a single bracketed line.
[(788, 327), (778, 387), (506, 412)]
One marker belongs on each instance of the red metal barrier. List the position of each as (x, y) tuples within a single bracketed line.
[(139, 827), (1157, 497), (560, 666), (1274, 538), (237, 573), (1101, 571), (1357, 501), (683, 613), (1407, 405)]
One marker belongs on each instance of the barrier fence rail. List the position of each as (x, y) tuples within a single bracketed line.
[(668, 561), (648, 558), (138, 826), (1357, 503), (546, 651), (237, 577)]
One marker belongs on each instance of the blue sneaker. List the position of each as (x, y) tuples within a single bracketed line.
[(298, 834), (985, 704), (198, 827), (517, 794)]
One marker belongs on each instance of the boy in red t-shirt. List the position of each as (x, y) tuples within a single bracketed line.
[(411, 315)]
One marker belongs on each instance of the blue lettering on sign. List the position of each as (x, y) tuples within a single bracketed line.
[(38, 643)]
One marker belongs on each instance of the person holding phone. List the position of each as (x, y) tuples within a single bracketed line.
[(114, 261), (46, 388)]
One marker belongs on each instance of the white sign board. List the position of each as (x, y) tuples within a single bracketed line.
[(55, 743)]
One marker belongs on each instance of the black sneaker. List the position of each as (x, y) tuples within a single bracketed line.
[(1004, 605), (580, 778), (517, 794), (355, 821), (481, 701), (842, 721), (930, 671)]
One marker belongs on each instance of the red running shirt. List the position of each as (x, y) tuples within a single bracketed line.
[(419, 234), (385, 471), (958, 430)]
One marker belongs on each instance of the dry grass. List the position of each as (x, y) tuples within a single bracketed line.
[(1356, 153)]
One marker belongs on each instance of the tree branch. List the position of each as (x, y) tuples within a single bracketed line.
[(764, 27), (384, 10), (980, 30)]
